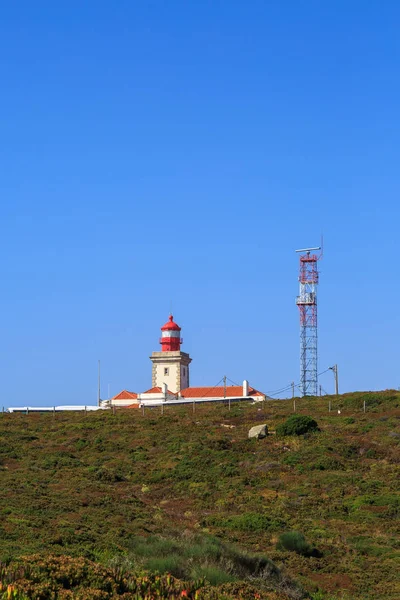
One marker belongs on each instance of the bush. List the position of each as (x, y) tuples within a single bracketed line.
[(293, 541), (108, 475), (297, 425)]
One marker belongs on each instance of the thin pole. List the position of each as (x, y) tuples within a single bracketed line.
[(334, 369), (143, 409), (292, 389), (336, 381), (320, 389), (330, 406), (364, 405), (294, 405), (229, 399), (99, 386)]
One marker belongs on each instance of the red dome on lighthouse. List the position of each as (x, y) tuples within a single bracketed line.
[(170, 336), (170, 325)]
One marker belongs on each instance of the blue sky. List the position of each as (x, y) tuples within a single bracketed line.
[(175, 154)]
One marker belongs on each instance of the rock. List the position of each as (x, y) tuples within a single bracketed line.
[(259, 432), (394, 434)]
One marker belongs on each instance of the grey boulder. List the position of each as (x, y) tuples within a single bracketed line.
[(259, 432)]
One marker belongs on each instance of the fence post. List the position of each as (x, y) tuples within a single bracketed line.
[(364, 405), (294, 405), (143, 410), (330, 406)]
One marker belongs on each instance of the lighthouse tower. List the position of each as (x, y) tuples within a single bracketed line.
[(171, 365)]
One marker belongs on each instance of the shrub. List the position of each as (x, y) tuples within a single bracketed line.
[(297, 425), (108, 475), (293, 541)]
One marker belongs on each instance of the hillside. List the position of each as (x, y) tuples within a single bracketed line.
[(188, 493)]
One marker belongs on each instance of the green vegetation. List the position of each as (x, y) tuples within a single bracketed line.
[(297, 425), (103, 497), (296, 542)]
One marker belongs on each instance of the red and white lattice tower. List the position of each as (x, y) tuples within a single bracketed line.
[(307, 303)]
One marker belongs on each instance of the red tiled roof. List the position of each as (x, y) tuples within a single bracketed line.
[(157, 390), (133, 405), (125, 395), (232, 391)]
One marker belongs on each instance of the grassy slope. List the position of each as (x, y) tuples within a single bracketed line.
[(89, 485)]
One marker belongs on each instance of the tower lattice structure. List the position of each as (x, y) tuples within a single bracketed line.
[(307, 303)]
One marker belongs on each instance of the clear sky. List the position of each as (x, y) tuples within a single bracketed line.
[(160, 154)]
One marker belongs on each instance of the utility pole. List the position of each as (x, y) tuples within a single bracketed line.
[(229, 400), (292, 389), (334, 369)]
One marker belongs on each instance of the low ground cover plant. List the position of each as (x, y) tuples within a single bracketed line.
[(189, 493), (62, 577)]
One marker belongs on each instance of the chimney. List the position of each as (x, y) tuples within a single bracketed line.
[(245, 388)]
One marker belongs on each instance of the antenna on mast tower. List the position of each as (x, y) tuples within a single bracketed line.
[(307, 303)]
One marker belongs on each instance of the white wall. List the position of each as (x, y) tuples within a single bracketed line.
[(171, 378), (184, 377), (123, 402)]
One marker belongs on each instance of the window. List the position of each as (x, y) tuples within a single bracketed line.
[(166, 371)]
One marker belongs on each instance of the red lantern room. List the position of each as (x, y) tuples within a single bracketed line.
[(170, 336)]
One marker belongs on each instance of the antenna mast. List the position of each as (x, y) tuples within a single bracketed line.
[(307, 303)]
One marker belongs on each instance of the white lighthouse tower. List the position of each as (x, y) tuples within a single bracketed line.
[(171, 365)]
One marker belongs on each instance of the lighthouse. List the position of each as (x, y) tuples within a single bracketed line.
[(171, 365), (170, 336)]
